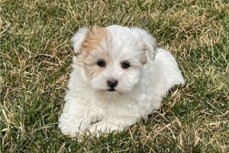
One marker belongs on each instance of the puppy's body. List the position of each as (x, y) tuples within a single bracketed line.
[(91, 105)]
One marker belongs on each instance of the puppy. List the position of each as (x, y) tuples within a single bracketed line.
[(119, 76)]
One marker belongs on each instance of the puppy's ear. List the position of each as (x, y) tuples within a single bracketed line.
[(78, 39), (150, 45)]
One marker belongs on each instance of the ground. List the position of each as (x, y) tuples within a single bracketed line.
[(35, 58)]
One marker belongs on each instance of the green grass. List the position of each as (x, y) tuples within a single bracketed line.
[(35, 60)]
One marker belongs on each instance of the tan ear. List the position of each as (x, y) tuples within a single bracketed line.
[(149, 41), (78, 39)]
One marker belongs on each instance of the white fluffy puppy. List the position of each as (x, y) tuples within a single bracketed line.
[(119, 76)]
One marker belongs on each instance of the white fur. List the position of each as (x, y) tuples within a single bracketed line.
[(139, 92), (79, 38)]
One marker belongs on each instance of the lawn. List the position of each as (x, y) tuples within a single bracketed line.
[(35, 62)]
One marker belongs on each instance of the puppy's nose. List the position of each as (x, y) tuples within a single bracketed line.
[(112, 83)]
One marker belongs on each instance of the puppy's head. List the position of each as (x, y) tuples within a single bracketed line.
[(113, 57)]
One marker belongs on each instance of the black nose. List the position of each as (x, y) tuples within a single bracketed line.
[(112, 83)]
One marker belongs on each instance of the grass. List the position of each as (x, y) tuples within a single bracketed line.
[(35, 60)]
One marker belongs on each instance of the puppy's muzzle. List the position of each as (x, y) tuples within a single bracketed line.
[(112, 83)]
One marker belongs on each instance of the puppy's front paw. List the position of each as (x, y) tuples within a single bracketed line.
[(103, 127), (69, 130)]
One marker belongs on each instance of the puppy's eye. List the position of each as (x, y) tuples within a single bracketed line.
[(125, 64), (101, 63)]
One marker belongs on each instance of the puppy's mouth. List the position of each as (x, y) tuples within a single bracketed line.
[(111, 89)]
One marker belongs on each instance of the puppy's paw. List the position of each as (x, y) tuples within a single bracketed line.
[(103, 127), (69, 130)]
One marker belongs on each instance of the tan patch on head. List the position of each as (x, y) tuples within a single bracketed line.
[(94, 37)]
